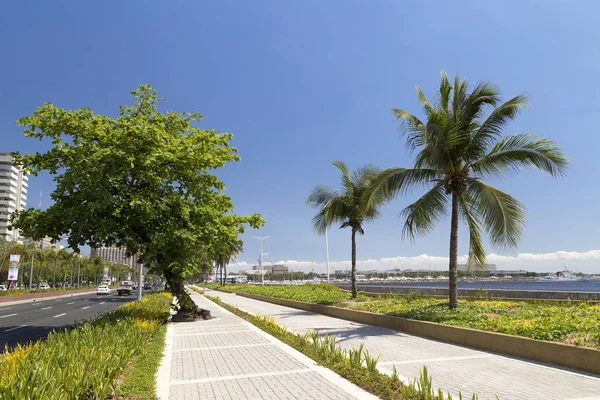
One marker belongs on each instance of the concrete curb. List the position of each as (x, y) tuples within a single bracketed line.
[(577, 358), (18, 298), (163, 374)]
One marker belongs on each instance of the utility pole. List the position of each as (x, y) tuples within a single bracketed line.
[(31, 269), (140, 276), (261, 239)]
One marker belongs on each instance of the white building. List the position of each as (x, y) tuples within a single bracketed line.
[(13, 194), (114, 255)]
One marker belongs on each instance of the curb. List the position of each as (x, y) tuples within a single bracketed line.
[(563, 355), (18, 298)]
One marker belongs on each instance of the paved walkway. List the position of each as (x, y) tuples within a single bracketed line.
[(453, 368), (229, 358)]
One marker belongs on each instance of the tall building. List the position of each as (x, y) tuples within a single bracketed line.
[(13, 194), (115, 255), (272, 269)]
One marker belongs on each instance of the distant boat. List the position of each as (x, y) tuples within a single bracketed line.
[(562, 276)]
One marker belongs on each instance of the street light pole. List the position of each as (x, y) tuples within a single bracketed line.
[(31, 269), (261, 239)]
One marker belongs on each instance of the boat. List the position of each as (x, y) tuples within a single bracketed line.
[(563, 276)]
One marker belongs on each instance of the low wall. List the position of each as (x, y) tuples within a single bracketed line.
[(578, 358), (494, 293), (29, 296)]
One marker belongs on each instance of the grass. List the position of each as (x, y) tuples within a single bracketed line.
[(356, 365), (83, 363), (574, 323), (139, 380)]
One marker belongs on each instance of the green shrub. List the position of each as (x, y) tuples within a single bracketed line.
[(83, 362)]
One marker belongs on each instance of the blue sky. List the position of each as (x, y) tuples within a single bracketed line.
[(304, 83)]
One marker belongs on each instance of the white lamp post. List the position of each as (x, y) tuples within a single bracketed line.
[(261, 239)]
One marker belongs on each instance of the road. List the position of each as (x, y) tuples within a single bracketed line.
[(21, 323)]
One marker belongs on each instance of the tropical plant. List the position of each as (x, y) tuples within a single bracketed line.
[(355, 204), (226, 252), (459, 146)]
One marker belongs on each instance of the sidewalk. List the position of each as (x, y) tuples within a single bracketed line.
[(229, 358), (453, 368)]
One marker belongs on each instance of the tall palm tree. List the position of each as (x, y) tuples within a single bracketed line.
[(226, 253), (458, 146), (355, 204)]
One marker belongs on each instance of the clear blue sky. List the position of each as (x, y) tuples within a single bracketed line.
[(303, 83)]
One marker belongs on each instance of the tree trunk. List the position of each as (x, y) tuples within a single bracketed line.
[(453, 251), (224, 274), (39, 274), (353, 278)]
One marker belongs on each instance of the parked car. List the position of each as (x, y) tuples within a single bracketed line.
[(44, 286), (147, 286), (103, 289), (3, 288)]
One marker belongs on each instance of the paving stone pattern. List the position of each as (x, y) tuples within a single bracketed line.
[(228, 358), (453, 368)]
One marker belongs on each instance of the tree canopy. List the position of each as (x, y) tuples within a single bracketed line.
[(141, 180)]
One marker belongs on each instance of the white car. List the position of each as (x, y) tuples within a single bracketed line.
[(3, 288), (44, 286), (103, 289)]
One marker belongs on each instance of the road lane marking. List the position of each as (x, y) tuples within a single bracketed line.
[(16, 327), (70, 303), (2, 309), (113, 299), (103, 302), (9, 315), (60, 315), (85, 307), (45, 308)]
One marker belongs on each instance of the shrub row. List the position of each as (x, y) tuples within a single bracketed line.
[(356, 365), (81, 363), (573, 323)]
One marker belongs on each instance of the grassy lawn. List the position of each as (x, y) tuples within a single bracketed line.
[(138, 381), (566, 322)]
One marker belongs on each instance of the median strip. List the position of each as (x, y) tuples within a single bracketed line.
[(60, 315)]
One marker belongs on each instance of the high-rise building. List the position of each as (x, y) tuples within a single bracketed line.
[(115, 255), (13, 194)]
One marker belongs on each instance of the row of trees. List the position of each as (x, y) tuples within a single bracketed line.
[(141, 181), (458, 145), (55, 266)]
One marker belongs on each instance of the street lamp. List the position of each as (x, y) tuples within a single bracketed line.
[(326, 243), (261, 239)]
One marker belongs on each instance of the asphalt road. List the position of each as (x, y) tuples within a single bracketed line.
[(21, 323)]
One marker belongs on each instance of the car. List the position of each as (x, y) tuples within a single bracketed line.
[(103, 289), (3, 288), (44, 286), (147, 286)]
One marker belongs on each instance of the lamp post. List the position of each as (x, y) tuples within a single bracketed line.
[(326, 244), (261, 239)]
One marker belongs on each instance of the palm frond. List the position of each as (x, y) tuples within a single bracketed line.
[(492, 127), (411, 127), (445, 91), (423, 99), (422, 215), (522, 150), (336, 210), (503, 216), (346, 178), (321, 195), (394, 181), (470, 214)]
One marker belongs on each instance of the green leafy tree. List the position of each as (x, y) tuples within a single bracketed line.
[(141, 181), (458, 146), (355, 204)]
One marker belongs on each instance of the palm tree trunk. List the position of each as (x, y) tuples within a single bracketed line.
[(453, 295), (224, 274), (353, 278)]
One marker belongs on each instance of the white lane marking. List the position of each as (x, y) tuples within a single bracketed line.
[(85, 307), (103, 302), (8, 308), (60, 315), (59, 300), (16, 327), (70, 303), (45, 308), (113, 299), (9, 315)]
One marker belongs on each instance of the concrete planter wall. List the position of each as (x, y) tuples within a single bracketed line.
[(29, 296), (494, 293), (579, 358)]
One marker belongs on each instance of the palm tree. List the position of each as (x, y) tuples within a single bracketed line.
[(227, 252), (355, 204), (459, 145)]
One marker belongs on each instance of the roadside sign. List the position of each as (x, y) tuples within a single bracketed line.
[(13, 267)]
